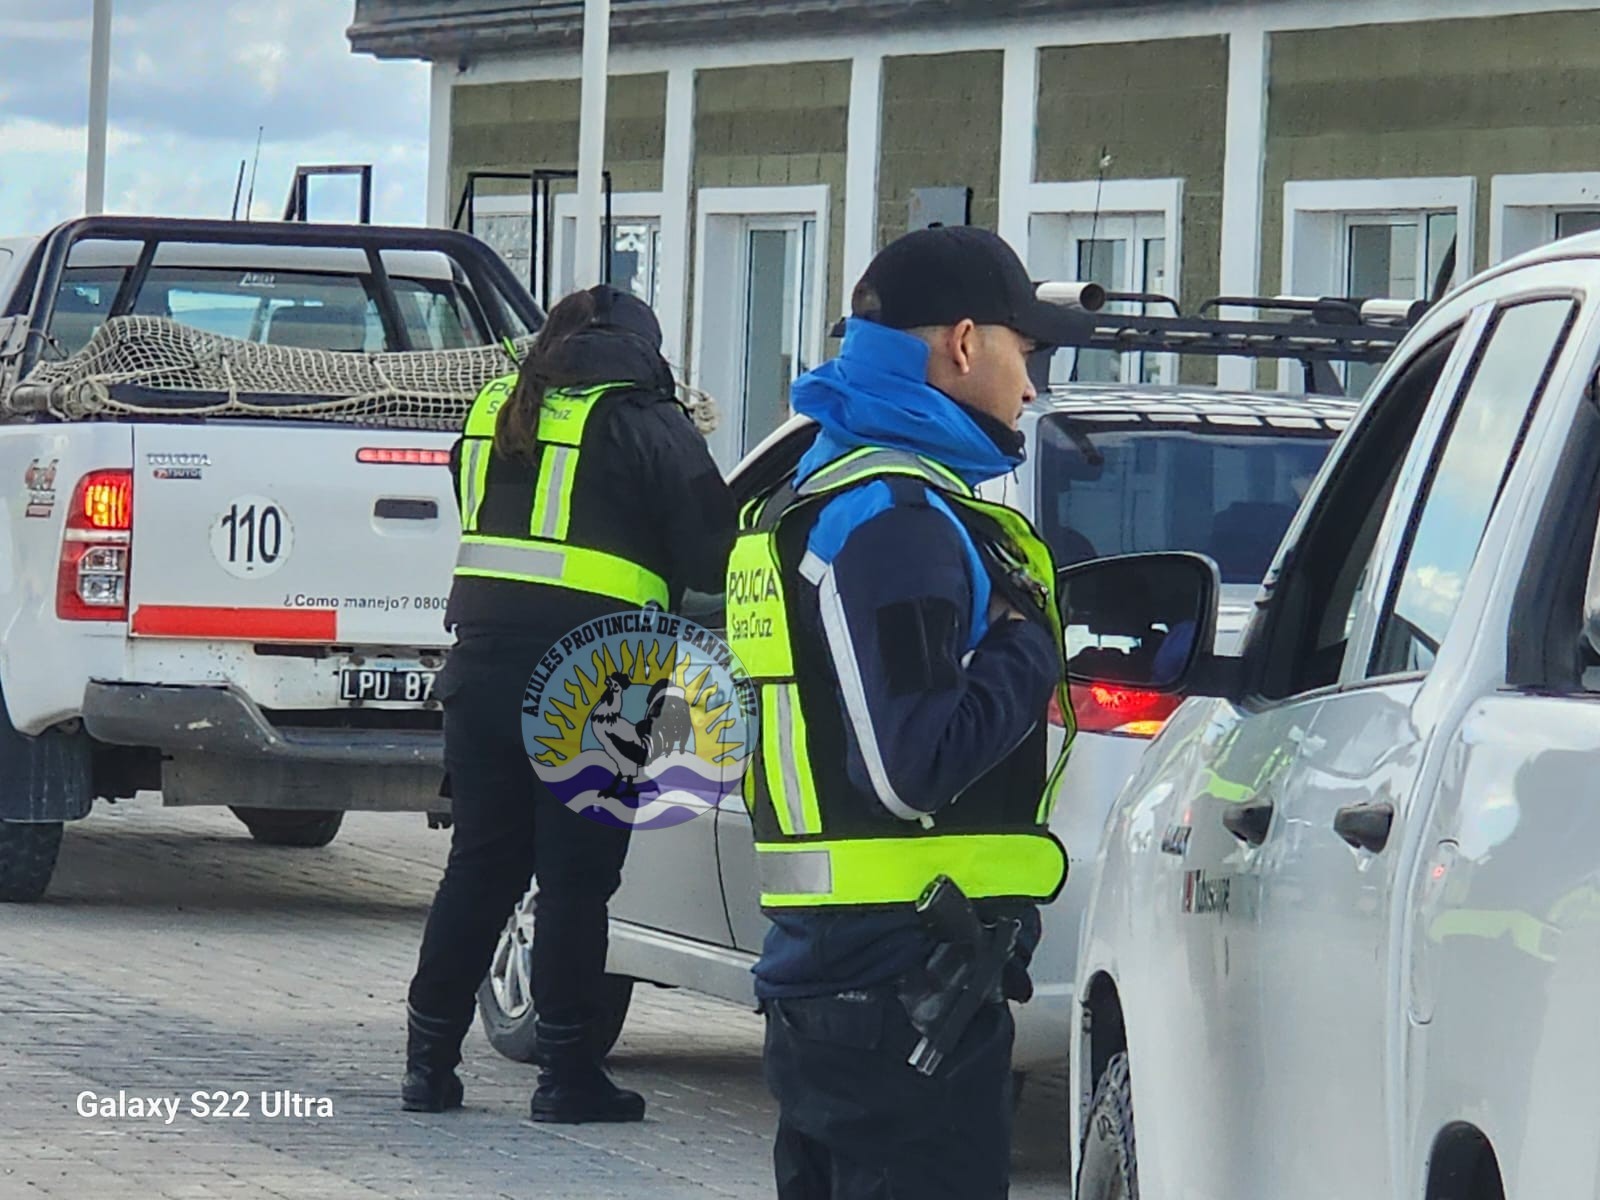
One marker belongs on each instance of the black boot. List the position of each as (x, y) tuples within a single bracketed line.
[(573, 1088), (433, 1048)]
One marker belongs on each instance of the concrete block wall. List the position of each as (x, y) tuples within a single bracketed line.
[(1159, 110), (1479, 97), (776, 126), (941, 128), (521, 126)]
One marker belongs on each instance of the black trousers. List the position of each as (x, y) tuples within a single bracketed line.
[(856, 1122), (508, 828)]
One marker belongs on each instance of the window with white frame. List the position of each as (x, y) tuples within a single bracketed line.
[(1395, 239), (1528, 211), (635, 244), (1123, 235), (507, 225), (760, 289)]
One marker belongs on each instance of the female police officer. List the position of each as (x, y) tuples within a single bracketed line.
[(584, 490)]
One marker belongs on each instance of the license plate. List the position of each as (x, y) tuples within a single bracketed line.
[(386, 684)]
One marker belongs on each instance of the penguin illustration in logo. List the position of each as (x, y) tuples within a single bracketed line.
[(626, 744), (668, 724)]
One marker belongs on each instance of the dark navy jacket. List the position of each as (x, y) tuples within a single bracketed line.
[(926, 719)]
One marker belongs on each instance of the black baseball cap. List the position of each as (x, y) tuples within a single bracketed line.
[(617, 309), (952, 273)]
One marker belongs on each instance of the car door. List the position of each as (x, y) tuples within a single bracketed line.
[(1198, 976), (761, 471), (1500, 940), (676, 876), (1330, 870)]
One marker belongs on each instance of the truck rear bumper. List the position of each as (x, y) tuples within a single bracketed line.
[(220, 748)]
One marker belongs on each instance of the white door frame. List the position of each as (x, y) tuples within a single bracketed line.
[(1114, 200), (1522, 208), (1316, 219), (716, 365), (625, 206), (1315, 213)]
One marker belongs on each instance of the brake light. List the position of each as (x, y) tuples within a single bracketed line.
[(1131, 712), (409, 456), (107, 501), (92, 577)]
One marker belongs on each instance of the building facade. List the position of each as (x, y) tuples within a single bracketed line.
[(762, 150)]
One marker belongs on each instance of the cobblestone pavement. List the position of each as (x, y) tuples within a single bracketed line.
[(173, 955)]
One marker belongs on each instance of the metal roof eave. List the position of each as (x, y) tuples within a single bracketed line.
[(442, 29)]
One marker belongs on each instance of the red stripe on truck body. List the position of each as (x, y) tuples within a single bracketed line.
[(235, 624)]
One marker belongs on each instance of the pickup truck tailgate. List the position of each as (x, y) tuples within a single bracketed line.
[(276, 532)]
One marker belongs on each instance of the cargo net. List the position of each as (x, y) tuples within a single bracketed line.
[(150, 366)]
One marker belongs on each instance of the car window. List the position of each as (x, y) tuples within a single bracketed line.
[(1300, 644), (309, 310), (1225, 490), (1477, 452)]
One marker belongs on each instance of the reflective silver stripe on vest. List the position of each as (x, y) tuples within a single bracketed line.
[(795, 872), (557, 473), (512, 560), (472, 449), (877, 460), (787, 749)]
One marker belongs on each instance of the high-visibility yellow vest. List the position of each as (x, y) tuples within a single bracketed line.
[(539, 552), (815, 847)]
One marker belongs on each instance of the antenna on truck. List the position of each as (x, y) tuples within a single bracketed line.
[(251, 198)]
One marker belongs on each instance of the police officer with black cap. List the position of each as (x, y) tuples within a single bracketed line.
[(905, 642), (584, 490)]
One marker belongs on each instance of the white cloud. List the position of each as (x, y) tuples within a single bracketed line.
[(185, 109), (27, 136)]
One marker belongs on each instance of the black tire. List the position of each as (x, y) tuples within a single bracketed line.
[(512, 1031), (308, 828), (1108, 1165), (515, 1037), (27, 859)]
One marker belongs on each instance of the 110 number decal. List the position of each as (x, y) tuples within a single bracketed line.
[(252, 537)]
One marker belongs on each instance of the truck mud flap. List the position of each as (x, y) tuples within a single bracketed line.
[(45, 778)]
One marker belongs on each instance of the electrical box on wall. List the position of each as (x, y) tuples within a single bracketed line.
[(940, 206)]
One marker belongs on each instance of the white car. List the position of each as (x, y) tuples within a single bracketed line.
[(238, 606), (1110, 469), (1343, 938)]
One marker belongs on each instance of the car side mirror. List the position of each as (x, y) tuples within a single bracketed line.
[(1142, 621)]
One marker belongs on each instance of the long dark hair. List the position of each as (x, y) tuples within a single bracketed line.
[(516, 431)]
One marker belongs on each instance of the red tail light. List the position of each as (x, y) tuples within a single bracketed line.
[(1126, 711), (92, 579), (405, 455)]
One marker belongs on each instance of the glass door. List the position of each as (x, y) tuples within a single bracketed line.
[(779, 267), (1126, 253), (635, 256), (1393, 256)]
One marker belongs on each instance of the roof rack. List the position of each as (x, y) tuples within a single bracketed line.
[(1313, 331)]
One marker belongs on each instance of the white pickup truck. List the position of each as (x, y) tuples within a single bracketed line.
[(225, 533), (1343, 936)]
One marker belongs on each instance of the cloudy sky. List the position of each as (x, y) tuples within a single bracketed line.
[(191, 81)]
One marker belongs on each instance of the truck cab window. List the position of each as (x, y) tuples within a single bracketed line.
[(1301, 645), (1476, 453)]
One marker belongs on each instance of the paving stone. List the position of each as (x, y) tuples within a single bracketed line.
[(173, 956)]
